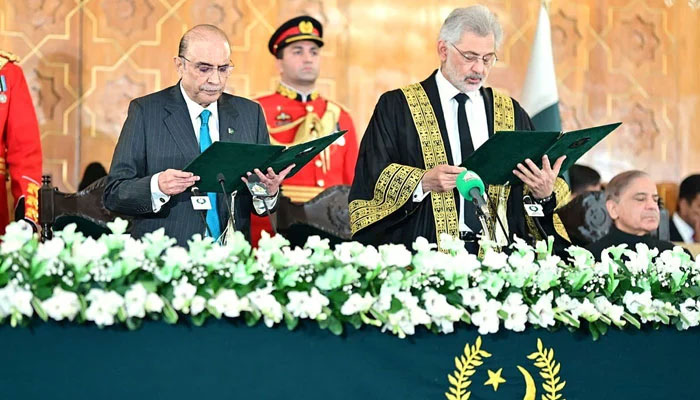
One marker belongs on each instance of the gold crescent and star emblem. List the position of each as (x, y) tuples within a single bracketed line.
[(468, 363), (306, 27)]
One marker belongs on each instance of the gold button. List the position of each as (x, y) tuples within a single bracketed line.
[(318, 163), (309, 108), (320, 182)]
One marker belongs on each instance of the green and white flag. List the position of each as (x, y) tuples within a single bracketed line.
[(540, 98)]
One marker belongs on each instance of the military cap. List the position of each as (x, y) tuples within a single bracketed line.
[(294, 30)]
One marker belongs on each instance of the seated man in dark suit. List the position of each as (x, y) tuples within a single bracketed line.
[(166, 130), (685, 224), (633, 204), (583, 179)]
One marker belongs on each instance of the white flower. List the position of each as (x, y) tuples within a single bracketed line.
[(183, 294), (229, 304), (473, 297), (345, 252), (265, 302), (357, 304), (17, 234), (61, 304), (103, 306), (135, 301), (369, 258), (637, 302), (639, 260), (588, 311), (176, 256), (422, 245), (487, 317), (89, 250), (612, 311), (408, 317), (668, 263), (15, 299), (517, 312), (495, 259), (566, 303), (524, 261), (133, 249), (450, 243), (297, 257), (50, 249), (395, 255), (316, 243), (197, 305), (541, 313), (305, 304), (690, 313), (440, 311), (154, 303)]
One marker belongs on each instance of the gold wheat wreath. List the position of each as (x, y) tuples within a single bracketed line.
[(468, 363)]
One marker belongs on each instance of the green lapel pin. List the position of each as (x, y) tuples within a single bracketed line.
[(230, 131)]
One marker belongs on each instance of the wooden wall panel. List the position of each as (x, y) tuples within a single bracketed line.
[(629, 60)]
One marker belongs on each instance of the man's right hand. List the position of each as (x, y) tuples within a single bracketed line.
[(441, 178), (174, 181)]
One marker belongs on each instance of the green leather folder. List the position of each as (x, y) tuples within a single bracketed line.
[(496, 159), (233, 160)]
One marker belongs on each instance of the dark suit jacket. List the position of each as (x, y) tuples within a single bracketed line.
[(673, 230), (157, 135)]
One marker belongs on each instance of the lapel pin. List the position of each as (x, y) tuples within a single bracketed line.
[(230, 131)]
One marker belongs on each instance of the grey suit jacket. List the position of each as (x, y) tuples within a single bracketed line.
[(158, 135)]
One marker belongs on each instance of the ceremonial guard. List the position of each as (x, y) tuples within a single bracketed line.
[(20, 152), (296, 113)]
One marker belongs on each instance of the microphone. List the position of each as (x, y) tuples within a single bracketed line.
[(259, 191), (472, 188), (222, 180), (196, 194)]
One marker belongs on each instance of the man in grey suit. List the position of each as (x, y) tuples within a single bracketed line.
[(166, 130)]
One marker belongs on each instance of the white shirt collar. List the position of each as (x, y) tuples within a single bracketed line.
[(195, 109), (448, 91), (684, 229)]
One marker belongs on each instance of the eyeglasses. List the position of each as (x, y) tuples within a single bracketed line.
[(487, 59), (204, 69)]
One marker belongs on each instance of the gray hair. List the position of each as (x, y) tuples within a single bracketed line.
[(619, 183), (477, 19)]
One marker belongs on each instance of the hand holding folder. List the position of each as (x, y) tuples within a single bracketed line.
[(235, 160), (496, 159)]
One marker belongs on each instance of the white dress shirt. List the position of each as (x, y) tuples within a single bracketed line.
[(478, 127), (158, 198), (686, 231)]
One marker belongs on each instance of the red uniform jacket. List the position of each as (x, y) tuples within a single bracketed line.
[(20, 152), (289, 118)]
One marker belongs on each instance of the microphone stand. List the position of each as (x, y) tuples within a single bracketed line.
[(195, 192), (222, 180)]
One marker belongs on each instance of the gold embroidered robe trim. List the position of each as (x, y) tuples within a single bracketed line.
[(433, 148), (394, 187)]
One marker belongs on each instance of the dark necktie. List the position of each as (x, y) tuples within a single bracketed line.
[(467, 146)]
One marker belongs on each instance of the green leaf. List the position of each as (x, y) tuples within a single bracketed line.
[(199, 319), (288, 277), (335, 326), (39, 309), (133, 323), (169, 313)]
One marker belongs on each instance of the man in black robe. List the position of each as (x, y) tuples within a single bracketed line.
[(407, 167), (632, 201)]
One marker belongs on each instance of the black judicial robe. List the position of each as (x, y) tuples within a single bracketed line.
[(391, 137), (616, 237)]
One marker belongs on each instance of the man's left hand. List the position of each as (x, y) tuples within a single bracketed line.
[(540, 181), (271, 180)]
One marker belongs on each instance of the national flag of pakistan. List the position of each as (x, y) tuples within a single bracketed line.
[(540, 98)]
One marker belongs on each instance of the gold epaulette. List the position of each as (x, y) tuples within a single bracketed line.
[(6, 56)]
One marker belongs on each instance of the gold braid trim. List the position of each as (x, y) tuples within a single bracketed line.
[(394, 187), (433, 148), (6, 56), (311, 127), (503, 120)]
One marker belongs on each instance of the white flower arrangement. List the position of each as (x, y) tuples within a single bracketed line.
[(120, 280)]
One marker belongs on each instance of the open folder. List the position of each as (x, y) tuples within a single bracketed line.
[(496, 159), (233, 160)]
